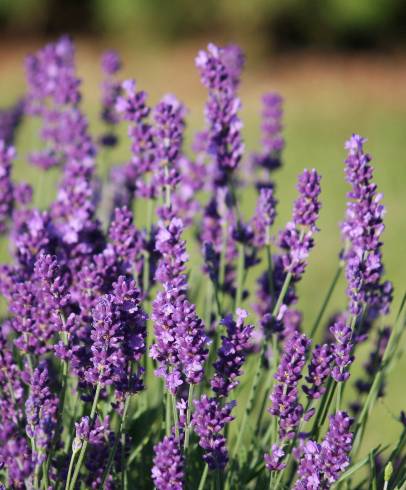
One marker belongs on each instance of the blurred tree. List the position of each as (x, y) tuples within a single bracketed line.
[(274, 23)]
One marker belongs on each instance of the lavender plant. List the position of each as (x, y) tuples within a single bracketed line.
[(117, 370)]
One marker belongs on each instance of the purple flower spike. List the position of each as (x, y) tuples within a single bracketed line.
[(231, 355), (319, 371), (168, 470), (111, 62), (322, 464), (285, 397), (264, 218), (224, 125), (307, 207), (118, 335), (363, 228), (209, 419), (272, 139), (296, 239), (273, 460), (132, 104), (342, 350), (40, 409), (7, 155)]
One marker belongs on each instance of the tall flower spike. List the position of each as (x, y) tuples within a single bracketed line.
[(362, 229), (296, 239), (322, 464), (209, 419), (168, 470), (118, 336), (7, 154), (41, 409), (231, 355), (319, 371), (285, 396), (224, 125), (272, 139), (264, 217), (342, 350)]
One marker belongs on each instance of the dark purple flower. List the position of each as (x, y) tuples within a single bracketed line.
[(40, 410), (119, 339), (171, 267), (272, 139), (274, 460), (307, 206), (322, 464), (7, 155), (342, 350), (224, 125), (232, 353), (296, 239), (362, 229), (127, 241), (285, 397), (132, 104), (208, 421), (10, 119), (111, 62), (319, 371), (168, 470), (264, 217)]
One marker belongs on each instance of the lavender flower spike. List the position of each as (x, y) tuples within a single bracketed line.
[(41, 408), (209, 419), (296, 239), (319, 371), (264, 218), (231, 355), (272, 139), (168, 470), (363, 228), (322, 464), (342, 350), (285, 397)]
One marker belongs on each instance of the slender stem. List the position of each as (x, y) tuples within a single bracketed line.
[(167, 186), (168, 423), (240, 273), (203, 477), (326, 301), (175, 415), (71, 462), (83, 449), (270, 270), (116, 439), (222, 265), (188, 415)]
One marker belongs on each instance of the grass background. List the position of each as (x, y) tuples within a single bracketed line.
[(326, 99)]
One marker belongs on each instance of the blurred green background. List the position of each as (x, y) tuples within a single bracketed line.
[(339, 64)]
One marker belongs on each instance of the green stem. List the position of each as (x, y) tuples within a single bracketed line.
[(222, 265), (326, 301), (270, 269), (188, 415), (167, 187), (168, 415), (83, 449), (116, 439), (203, 477), (240, 273), (175, 415), (71, 463)]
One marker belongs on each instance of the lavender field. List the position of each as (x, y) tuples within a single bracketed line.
[(201, 276)]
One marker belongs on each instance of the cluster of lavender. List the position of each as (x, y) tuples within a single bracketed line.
[(121, 362)]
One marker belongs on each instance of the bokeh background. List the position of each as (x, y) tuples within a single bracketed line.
[(339, 64)]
